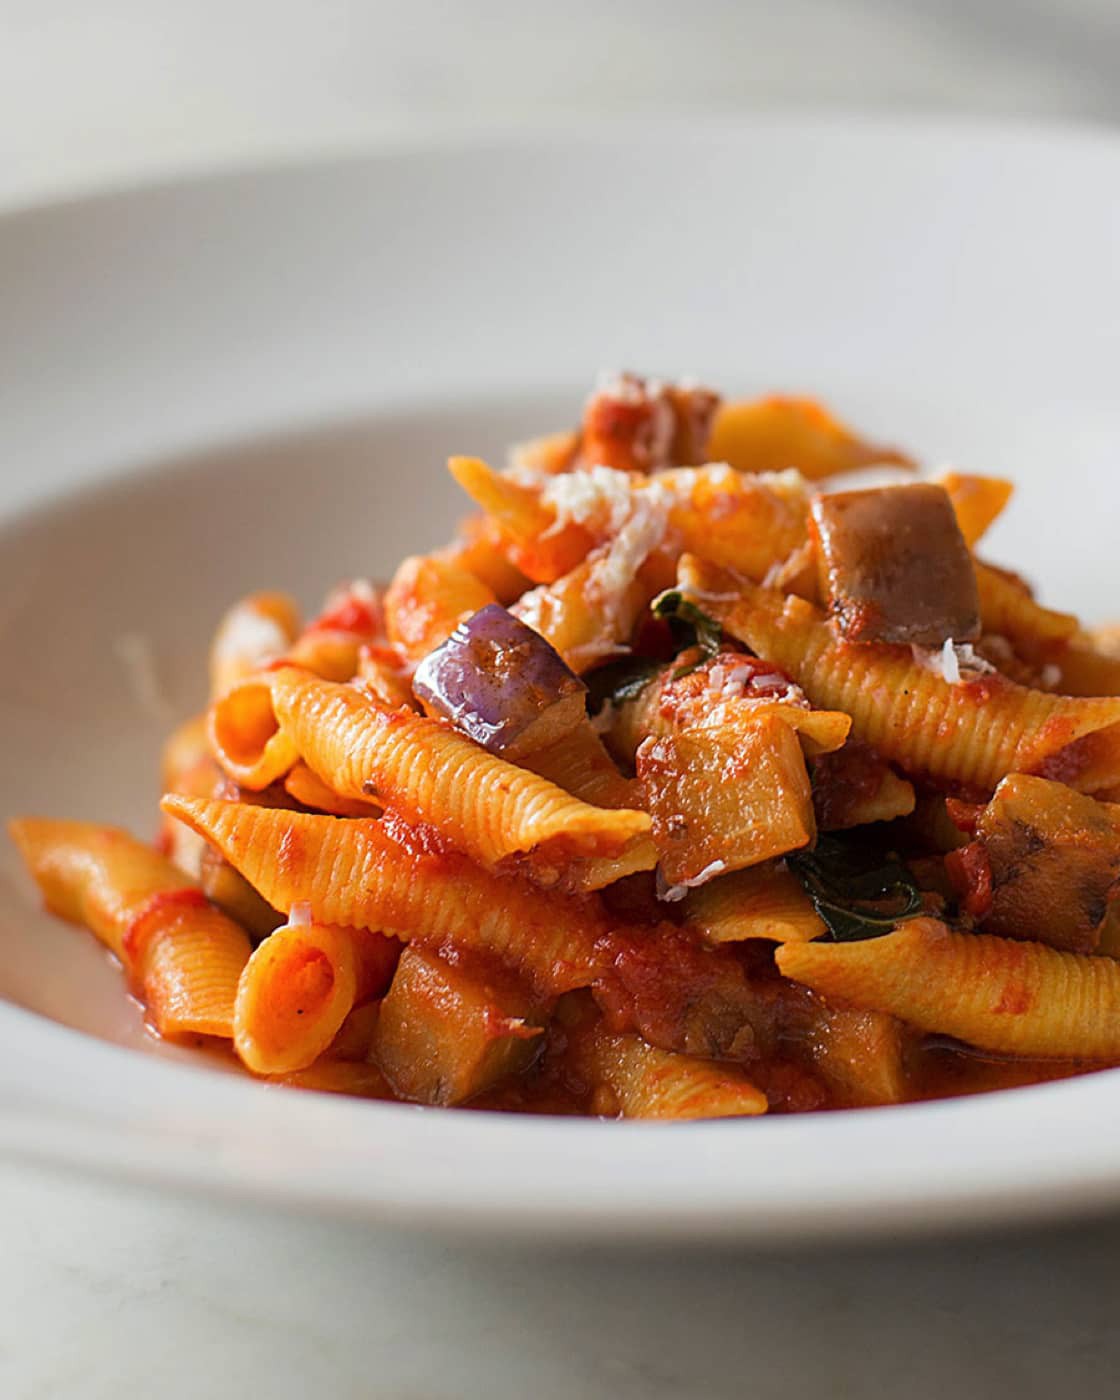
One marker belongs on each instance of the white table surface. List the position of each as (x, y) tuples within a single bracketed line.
[(107, 1293), (111, 1292)]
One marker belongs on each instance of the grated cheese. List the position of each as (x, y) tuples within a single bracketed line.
[(671, 894), (952, 661), (589, 495)]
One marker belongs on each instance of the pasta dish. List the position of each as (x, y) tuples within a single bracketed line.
[(693, 779)]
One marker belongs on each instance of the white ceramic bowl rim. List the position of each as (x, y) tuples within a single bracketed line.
[(67, 1098)]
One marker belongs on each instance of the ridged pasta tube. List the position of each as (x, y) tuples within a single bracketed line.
[(309, 790), (355, 872), (975, 732), (1013, 997), (183, 956), (244, 735), (580, 764), (485, 806), (1008, 610), (246, 738)]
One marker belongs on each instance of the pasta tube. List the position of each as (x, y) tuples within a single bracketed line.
[(766, 901), (253, 632), (978, 501), (355, 872), (183, 956), (298, 988), (1008, 610), (485, 806), (1016, 998)]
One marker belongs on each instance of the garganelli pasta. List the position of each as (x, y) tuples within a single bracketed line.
[(692, 779)]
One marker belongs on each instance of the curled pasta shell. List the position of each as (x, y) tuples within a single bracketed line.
[(997, 994), (766, 901), (779, 431), (1008, 610), (427, 599), (485, 806), (355, 872), (978, 501)]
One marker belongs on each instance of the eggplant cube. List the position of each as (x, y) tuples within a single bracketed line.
[(1055, 862), (894, 566), (501, 684), (722, 799), (447, 1030)]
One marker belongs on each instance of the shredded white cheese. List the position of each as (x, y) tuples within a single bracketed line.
[(789, 484), (671, 894), (632, 545), (597, 496), (952, 661)]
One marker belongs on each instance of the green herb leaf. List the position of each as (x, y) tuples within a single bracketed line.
[(858, 896), (619, 681), (691, 625)]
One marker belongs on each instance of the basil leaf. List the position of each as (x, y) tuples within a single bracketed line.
[(858, 895), (691, 625), (619, 681)]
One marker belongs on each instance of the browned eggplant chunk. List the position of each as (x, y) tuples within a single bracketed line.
[(450, 1028), (1055, 862), (894, 566)]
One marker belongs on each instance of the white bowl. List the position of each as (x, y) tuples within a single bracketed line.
[(290, 354)]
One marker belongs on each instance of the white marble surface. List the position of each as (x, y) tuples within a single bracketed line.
[(107, 1292)]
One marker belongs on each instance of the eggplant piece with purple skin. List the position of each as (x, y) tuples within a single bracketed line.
[(894, 566), (501, 684)]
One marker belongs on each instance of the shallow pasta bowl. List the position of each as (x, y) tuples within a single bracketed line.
[(253, 380)]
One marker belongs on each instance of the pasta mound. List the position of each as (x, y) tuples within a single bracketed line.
[(685, 782)]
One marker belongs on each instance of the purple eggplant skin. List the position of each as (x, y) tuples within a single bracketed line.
[(501, 684), (894, 566)]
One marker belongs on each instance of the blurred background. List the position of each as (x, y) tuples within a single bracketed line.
[(114, 91)]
